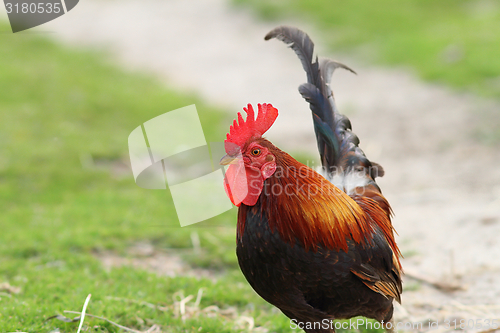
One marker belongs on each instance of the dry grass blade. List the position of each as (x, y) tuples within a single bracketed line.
[(82, 318), (198, 297), (182, 306), (109, 321), (248, 320)]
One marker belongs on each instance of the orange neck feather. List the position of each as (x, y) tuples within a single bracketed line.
[(303, 206)]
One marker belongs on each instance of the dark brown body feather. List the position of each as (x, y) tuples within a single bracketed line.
[(314, 282)]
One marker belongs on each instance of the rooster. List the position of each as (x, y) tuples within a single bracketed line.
[(318, 245)]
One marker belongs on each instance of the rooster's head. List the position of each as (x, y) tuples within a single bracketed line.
[(248, 156)]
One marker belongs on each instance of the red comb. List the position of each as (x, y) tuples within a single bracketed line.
[(243, 130)]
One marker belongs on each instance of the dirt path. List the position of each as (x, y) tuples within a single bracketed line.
[(443, 184)]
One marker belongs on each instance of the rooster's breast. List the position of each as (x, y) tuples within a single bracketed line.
[(305, 285)]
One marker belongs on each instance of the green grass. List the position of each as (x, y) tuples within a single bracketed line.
[(58, 108), (454, 42)]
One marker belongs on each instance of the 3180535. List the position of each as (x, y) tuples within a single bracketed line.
[(463, 324), (32, 8)]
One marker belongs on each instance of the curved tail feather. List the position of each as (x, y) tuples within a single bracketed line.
[(344, 163)]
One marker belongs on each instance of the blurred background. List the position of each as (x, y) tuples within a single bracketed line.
[(425, 104)]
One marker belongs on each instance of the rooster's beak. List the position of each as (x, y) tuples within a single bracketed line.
[(228, 160)]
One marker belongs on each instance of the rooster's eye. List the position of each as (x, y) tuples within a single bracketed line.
[(256, 152)]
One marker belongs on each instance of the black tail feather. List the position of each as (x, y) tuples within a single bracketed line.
[(333, 130), (303, 46)]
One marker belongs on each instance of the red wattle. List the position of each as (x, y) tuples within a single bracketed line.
[(243, 184)]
